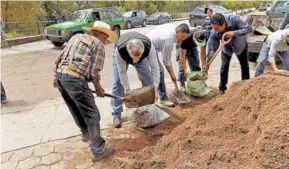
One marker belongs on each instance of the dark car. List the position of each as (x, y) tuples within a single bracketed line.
[(135, 18), (263, 7), (199, 13), (159, 18)]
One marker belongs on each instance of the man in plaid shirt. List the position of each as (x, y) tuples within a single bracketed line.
[(78, 64)]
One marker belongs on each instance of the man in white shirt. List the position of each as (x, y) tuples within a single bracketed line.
[(276, 44)]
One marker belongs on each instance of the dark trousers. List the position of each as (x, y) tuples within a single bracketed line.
[(243, 60), (192, 57), (3, 93), (80, 101)]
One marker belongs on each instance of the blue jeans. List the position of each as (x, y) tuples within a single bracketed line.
[(145, 76), (80, 102), (192, 57), (263, 57)]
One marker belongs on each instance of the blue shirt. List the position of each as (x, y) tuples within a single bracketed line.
[(241, 29)]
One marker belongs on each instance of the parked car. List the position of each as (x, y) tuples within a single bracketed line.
[(135, 18), (60, 33), (159, 18), (199, 13), (263, 7), (271, 19)]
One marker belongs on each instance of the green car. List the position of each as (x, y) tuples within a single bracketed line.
[(60, 33)]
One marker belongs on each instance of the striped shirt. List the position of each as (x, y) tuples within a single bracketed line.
[(163, 39), (87, 53)]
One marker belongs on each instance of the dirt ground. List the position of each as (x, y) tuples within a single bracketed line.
[(247, 128)]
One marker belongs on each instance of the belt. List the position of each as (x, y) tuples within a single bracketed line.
[(70, 73)]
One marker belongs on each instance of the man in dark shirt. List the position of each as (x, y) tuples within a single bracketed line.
[(234, 28), (186, 50)]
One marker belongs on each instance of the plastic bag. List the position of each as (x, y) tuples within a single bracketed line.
[(149, 116), (197, 88)]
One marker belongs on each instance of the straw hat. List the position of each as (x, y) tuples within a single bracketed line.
[(102, 27)]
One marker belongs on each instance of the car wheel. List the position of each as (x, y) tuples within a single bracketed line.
[(58, 44), (116, 30), (128, 25), (159, 22), (193, 23), (169, 20), (144, 23)]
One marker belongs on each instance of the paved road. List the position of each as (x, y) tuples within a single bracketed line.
[(27, 70)]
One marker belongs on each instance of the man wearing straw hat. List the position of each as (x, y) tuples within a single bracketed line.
[(79, 63)]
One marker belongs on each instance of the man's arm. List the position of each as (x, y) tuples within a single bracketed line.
[(243, 27), (122, 70), (215, 41), (98, 57), (273, 53), (203, 56), (167, 54), (183, 60)]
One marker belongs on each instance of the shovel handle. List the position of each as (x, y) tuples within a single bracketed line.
[(176, 86), (111, 96)]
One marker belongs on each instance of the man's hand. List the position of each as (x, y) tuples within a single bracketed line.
[(99, 90), (278, 70), (156, 94), (228, 35), (186, 72)]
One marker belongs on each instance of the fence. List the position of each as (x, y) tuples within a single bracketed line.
[(28, 28)]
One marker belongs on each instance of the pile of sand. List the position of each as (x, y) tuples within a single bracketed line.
[(247, 128)]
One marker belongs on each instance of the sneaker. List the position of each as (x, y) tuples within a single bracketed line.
[(117, 122), (221, 92), (167, 103), (107, 151), (85, 137)]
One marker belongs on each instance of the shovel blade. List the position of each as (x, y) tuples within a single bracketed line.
[(140, 97)]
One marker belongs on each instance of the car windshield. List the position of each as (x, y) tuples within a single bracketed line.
[(156, 14), (78, 16), (220, 9), (281, 6), (127, 14)]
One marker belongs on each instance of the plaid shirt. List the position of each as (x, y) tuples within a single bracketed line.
[(87, 53)]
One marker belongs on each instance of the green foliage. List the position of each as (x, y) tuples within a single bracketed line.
[(151, 8)]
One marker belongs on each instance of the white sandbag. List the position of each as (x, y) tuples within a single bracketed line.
[(149, 116)]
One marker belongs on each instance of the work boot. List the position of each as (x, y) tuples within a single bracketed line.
[(221, 92), (117, 122), (85, 137), (107, 151), (166, 103)]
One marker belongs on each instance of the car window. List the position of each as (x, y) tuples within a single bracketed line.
[(115, 14), (133, 14), (281, 6), (78, 15), (138, 14), (105, 15), (127, 14), (220, 9), (156, 14)]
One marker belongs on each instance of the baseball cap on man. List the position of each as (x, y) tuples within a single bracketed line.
[(200, 38)]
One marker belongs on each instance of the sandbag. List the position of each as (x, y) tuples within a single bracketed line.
[(196, 86), (149, 116)]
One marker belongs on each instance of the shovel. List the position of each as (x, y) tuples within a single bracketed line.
[(204, 74), (137, 97), (180, 96)]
